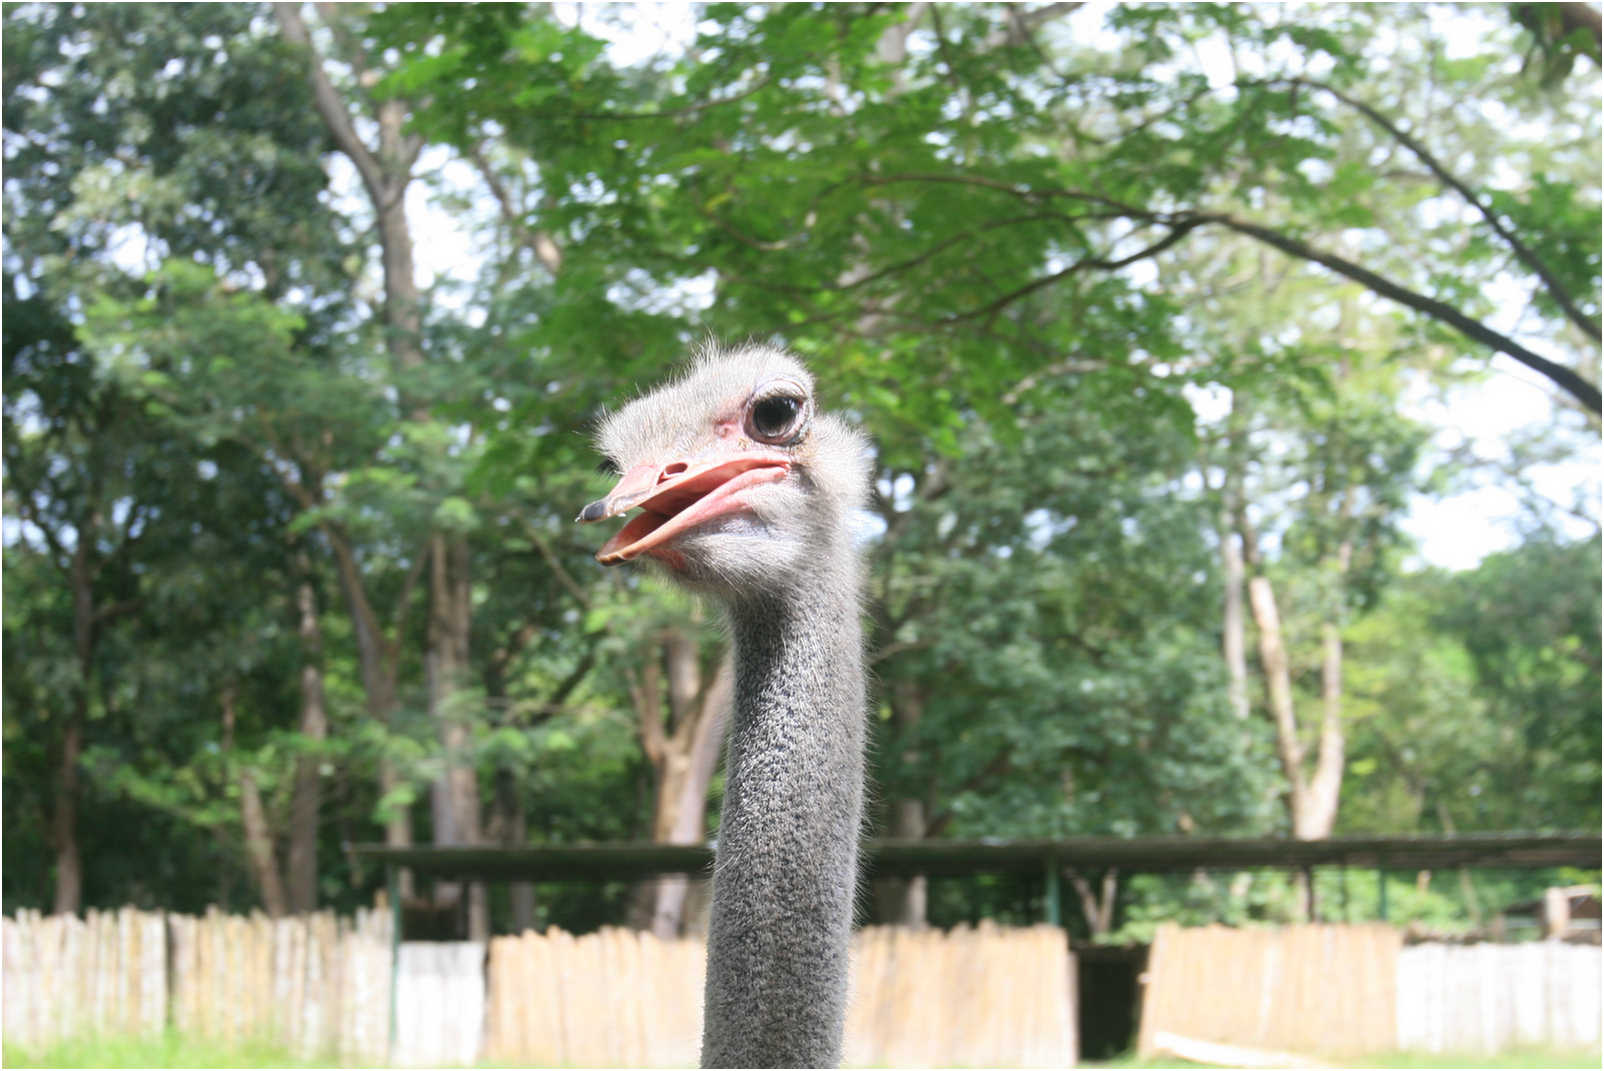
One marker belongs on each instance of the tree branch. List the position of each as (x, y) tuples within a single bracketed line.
[(112, 611), (1567, 380), (403, 601), (330, 106), (1184, 221), (571, 585), (1022, 23), (1523, 252), (669, 113), (545, 248), (648, 692), (1178, 231)]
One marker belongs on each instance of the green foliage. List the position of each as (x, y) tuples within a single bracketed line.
[(1004, 249), (1529, 620)]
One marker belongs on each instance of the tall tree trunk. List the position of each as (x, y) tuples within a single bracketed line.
[(904, 901), (259, 846), (456, 793), (89, 617), (1312, 800), (1325, 787), (1278, 686), (253, 819), (385, 175), (376, 658), (1097, 905), (306, 803), (509, 828), (683, 750), (64, 821), (386, 172), (507, 824)]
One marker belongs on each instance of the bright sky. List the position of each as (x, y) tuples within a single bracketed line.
[(1455, 531)]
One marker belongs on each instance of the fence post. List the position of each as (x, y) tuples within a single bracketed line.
[(1052, 907)]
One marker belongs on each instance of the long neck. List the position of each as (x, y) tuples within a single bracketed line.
[(786, 874)]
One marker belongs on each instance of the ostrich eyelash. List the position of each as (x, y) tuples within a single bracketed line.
[(608, 467)]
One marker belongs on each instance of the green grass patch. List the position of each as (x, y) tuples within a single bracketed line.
[(1523, 1057), (166, 1050), (173, 1050)]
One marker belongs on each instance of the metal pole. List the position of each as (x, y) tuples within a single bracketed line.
[(1054, 912), (1381, 886)]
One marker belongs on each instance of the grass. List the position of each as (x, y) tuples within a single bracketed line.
[(171, 1050), (166, 1050), (1525, 1057)]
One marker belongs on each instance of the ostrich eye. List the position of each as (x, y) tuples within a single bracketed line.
[(776, 419)]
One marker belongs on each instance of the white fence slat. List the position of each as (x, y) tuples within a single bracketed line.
[(440, 1003), (1490, 998)]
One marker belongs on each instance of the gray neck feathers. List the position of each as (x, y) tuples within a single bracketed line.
[(786, 873)]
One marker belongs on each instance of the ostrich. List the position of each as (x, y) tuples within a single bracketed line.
[(744, 491)]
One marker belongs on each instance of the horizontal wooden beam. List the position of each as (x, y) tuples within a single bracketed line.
[(953, 858)]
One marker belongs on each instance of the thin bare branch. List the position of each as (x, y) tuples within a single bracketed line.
[(1567, 380), (1523, 252), (330, 106)]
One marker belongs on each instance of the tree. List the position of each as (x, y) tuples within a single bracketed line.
[(1529, 620), (1033, 251), (215, 168), (976, 215), (963, 210)]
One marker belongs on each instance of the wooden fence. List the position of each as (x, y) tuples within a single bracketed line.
[(315, 984), (1335, 991), (986, 997), (968, 997), (321, 987), (616, 998), (66, 976), (1329, 990), (439, 1004), (1486, 998)]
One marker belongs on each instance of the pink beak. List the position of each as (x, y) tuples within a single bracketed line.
[(678, 496)]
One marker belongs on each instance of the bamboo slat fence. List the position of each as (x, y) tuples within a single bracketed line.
[(615, 998), (67, 976), (982, 997), (313, 983), (321, 987), (1328, 990), (439, 1003), (1487, 998), (986, 997)]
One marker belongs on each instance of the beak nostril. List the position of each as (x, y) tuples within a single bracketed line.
[(670, 471)]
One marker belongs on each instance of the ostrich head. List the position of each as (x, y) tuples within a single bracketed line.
[(741, 483)]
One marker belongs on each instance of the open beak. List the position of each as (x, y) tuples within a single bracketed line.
[(678, 496)]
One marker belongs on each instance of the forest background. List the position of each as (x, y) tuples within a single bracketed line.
[(1172, 326)]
